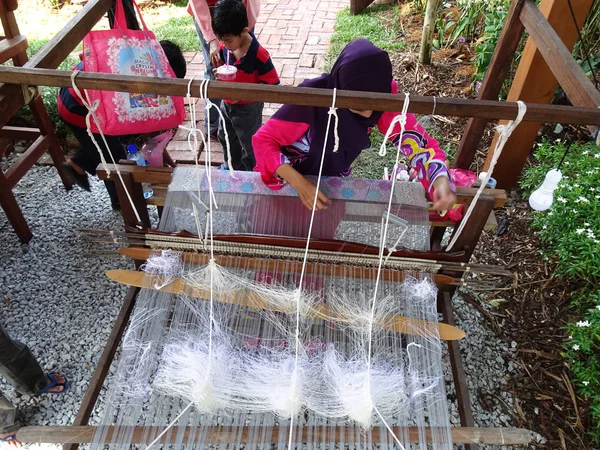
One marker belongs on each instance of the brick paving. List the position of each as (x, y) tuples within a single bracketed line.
[(296, 33)]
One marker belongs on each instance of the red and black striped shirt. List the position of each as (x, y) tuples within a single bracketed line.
[(254, 67)]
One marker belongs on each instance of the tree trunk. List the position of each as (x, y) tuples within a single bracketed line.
[(428, 30)]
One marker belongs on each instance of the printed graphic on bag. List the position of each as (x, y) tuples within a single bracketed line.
[(131, 56)]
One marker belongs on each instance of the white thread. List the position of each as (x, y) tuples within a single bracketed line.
[(299, 291), (505, 132), (91, 112), (401, 119)]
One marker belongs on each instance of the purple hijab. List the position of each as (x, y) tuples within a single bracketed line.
[(361, 66)]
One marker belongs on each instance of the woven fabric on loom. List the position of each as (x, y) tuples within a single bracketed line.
[(236, 371)]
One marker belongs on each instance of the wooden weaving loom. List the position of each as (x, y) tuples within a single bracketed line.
[(450, 266)]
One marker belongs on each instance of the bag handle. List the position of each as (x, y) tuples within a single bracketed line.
[(120, 19)]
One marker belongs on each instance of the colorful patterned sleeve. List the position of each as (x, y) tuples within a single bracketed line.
[(421, 150), (267, 143)]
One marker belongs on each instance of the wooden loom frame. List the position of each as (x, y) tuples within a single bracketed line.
[(65, 41)]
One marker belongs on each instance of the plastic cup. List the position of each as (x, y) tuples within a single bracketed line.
[(226, 73)]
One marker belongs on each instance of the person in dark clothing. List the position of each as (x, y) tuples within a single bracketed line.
[(86, 158), (21, 369)]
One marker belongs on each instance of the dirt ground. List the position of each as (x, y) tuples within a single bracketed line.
[(529, 309)]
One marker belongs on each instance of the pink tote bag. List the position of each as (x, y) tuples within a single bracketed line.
[(130, 52)]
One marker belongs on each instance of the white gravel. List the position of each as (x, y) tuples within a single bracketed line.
[(56, 299)]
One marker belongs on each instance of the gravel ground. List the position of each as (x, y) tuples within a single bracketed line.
[(56, 299)]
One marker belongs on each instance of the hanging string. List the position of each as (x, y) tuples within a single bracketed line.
[(332, 112), (505, 131), (92, 107), (400, 119)]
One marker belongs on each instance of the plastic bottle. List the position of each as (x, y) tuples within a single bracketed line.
[(134, 155)]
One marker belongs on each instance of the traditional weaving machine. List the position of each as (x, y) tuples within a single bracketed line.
[(258, 324)]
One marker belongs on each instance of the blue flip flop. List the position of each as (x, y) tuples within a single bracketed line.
[(9, 438), (54, 383)]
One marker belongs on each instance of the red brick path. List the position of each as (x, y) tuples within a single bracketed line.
[(296, 33)]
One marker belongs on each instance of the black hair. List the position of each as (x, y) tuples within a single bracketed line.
[(175, 57), (229, 18)]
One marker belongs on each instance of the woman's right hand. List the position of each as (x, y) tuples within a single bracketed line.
[(306, 189)]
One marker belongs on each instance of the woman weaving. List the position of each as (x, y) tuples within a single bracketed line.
[(290, 144)]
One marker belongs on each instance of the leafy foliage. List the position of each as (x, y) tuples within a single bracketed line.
[(571, 234), (368, 25)]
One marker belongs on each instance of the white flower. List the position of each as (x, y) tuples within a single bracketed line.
[(589, 172), (583, 323), (566, 163), (598, 307), (586, 224), (580, 230), (570, 337), (576, 185), (585, 383), (576, 347), (583, 200), (597, 155), (544, 227), (562, 199), (585, 152)]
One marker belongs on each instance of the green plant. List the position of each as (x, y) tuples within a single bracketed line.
[(486, 44), (369, 25), (570, 232)]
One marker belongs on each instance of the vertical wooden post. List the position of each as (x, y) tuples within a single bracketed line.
[(535, 83), (428, 30), (492, 83)]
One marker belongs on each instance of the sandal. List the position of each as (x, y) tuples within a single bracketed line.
[(54, 383), (75, 177), (10, 438)]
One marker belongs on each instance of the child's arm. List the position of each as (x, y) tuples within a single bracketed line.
[(267, 73), (424, 155), (267, 143)]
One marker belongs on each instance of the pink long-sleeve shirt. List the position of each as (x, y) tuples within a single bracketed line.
[(199, 9), (422, 151)]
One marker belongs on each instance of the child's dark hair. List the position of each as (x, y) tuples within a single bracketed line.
[(175, 57), (229, 18)]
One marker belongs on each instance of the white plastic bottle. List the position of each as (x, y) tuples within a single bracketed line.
[(134, 155)]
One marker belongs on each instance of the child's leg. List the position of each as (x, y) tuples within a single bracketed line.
[(87, 156), (234, 142), (213, 126), (247, 119)]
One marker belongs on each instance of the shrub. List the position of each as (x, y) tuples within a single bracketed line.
[(570, 231)]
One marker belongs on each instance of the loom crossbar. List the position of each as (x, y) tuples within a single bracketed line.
[(223, 435)]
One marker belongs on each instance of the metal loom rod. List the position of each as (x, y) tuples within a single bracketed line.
[(252, 299), (485, 109), (218, 435)]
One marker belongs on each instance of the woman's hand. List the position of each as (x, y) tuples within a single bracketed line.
[(306, 190), (215, 58), (443, 197)]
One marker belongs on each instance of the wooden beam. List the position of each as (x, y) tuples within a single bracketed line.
[(303, 96), (492, 83), (106, 359), (27, 160), (469, 236), (19, 133), (534, 82), (13, 211), (571, 77), (68, 38), (219, 435)]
